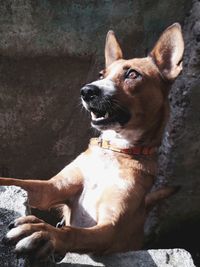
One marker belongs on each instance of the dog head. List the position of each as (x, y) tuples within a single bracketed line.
[(131, 95)]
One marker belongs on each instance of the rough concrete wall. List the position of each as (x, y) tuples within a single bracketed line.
[(178, 219), (40, 114), (30, 28)]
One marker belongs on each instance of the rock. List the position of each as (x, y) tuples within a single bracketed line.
[(149, 258), (13, 204), (176, 222)]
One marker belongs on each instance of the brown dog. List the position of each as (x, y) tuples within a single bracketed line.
[(106, 189)]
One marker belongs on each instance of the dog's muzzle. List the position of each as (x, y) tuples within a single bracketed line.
[(99, 99)]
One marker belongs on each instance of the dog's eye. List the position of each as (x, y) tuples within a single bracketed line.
[(132, 74)]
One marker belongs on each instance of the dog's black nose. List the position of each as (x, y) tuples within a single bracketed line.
[(89, 92)]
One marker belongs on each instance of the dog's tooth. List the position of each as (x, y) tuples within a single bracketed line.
[(106, 115), (93, 116), (100, 118)]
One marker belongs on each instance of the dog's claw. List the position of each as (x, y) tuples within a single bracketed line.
[(11, 225)]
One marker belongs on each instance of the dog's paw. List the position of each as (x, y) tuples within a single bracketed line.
[(38, 245), (32, 239)]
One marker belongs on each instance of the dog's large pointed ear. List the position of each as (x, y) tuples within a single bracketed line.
[(112, 49), (168, 52)]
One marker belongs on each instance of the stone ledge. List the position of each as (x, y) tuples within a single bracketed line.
[(150, 258)]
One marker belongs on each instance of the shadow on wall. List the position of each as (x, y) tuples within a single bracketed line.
[(42, 125), (179, 232)]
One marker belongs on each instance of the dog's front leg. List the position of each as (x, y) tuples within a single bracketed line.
[(37, 239), (45, 194)]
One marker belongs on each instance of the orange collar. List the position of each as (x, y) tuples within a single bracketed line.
[(135, 151)]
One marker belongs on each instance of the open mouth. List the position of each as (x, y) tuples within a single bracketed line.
[(103, 118)]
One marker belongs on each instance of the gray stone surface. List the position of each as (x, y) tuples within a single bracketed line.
[(12, 205), (77, 28), (177, 219), (150, 258)]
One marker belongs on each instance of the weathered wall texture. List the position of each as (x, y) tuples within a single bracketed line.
[(48, 49), (78, 28), (178, 219)]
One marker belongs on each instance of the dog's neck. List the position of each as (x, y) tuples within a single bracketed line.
[(150, 137), (128, 138), (115, 139), (125, 139)]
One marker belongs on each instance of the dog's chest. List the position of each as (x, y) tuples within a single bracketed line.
[(101, 171)]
